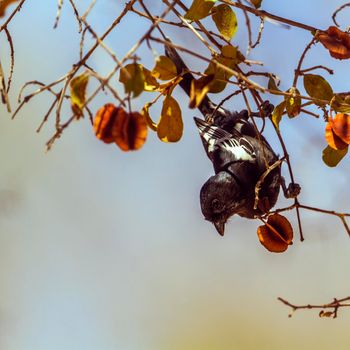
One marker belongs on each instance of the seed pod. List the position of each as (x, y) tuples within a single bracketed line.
[(105, 122), (277, 234), (130, 131)]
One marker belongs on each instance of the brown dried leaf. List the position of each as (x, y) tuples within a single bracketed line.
[(277, 234), (4, 4)]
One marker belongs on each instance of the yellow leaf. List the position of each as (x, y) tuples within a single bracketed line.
[(151, 83), (170, 126), (78, 93), (318, 87), (230, 56), (256, 3), (225, 20), (278, 113), (164, 69), (199, 89), (293, 103), (199, 9), (332, 157), (341, 103), (145, 112), (4, 4), (133, 78)]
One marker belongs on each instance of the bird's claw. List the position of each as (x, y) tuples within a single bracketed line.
[(292, 191)]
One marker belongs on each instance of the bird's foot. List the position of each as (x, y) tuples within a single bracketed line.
[(292, 191)]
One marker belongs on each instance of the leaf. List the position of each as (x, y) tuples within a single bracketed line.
[(199, 89), (145, 112), (133, 78), (164, 69), (277, 234), (336, 42), (199, 9), (318, 87), (271, 85), (170, 126), (104, 123), (230, 56), (151, 83), (340, 103), (332, 139), (256, 3), (130, 131), (332, 157), (341, 126), (278, 113), (78, 87), (4, 4), (293, 103), (225, 20), (323, 313)]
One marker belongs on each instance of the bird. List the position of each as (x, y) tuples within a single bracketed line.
[(239, 161), (241, 157)]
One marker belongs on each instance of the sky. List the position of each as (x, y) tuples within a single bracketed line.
[(101, 249)]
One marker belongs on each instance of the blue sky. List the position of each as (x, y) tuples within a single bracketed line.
[(101, 249)]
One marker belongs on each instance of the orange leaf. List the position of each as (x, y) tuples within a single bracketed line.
[(332, 139), (341, 126), (337, 42), (277, 234), (3, 6)]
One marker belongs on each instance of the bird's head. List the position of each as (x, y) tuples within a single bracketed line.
[(219, 198)]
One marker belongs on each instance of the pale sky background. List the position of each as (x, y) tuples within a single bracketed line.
[(103, 250)]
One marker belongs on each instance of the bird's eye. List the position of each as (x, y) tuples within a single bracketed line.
[(216, 205)]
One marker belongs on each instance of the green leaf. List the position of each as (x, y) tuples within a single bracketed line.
[(164, 69), (293, 103), (341, 103), (170, 126), (332, 157), (78, 93), (133, 78), (256, 3), (199, 9), (318, 87), (278, 113), (225, 20)]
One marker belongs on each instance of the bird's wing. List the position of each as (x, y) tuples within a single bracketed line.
[(224, 147)]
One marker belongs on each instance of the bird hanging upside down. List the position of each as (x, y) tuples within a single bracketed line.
[(241, 158)]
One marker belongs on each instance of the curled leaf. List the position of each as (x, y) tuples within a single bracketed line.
[(278, 113), (199, 89), (326, 313), (151, 83), (332, 139), (332, 157), (78, 87), (341, 126), (164, 69), (170, 126), (145, 112), (277, 234), (293, 103), (133, 78), (225, 20), (336, 42), (318, 87), (199, 9), (256, 3)]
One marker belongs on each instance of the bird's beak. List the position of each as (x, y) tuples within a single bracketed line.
[(220, 227)]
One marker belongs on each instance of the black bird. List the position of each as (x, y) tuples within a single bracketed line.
[(240, 156), (239, 162)]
